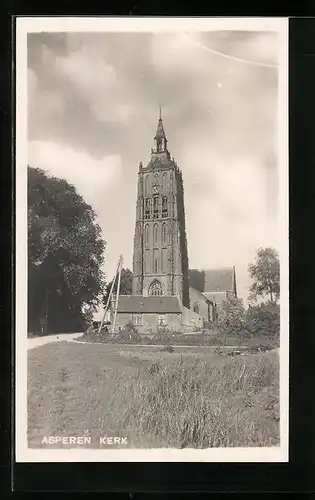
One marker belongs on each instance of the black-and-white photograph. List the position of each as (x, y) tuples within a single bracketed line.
[(152, 292)]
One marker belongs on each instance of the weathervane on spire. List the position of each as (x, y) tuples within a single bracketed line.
[(160, 109)]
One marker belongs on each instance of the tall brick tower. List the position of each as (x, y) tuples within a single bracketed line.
[(160, 259)]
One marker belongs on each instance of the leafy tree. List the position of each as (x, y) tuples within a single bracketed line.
[(65, 255), (125, 285), (231, 315), (264, 320), (265, 273)]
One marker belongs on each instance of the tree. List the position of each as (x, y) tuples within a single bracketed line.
[(264, 320), (125, 285), (231, 315), (265, 273), (65, 255)]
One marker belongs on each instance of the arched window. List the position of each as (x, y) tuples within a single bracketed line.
[(155, 288), (164, 234), (155, 234), (146, 235), (164, 181)]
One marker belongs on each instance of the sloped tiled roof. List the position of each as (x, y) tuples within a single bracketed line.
[(197, 279), (213, 280), (138, 304), (219, 280)]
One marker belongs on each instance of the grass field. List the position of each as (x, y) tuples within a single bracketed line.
[(156, 399)]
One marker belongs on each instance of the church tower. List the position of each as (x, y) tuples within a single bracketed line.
[(160, 258)]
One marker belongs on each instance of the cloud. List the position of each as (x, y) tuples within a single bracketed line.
[(112, 111), (97, 81), (88, 70), (176, 53), (92, 177), (44, 104)]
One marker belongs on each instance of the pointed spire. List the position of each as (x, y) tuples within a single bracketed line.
[(160, 134)]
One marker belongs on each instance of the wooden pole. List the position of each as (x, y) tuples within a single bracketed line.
[(117, 294), (108, 298), (46, 311)]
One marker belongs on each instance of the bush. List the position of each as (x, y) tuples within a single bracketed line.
[(264, 320), (231, 316)]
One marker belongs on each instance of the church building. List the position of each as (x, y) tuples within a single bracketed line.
[(162, 295)]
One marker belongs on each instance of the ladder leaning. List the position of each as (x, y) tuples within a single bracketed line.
[(117, 275)]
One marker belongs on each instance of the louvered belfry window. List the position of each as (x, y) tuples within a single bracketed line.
[(164, 207), (147, 208), (155, 207)]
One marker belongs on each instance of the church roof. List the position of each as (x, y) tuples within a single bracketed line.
[(219, 280), (197, 279), (137, 304), (213, 280), (160, 134)]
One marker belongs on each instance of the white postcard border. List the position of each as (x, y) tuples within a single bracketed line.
[(25, 25)]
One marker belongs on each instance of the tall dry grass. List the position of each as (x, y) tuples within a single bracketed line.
[(172, 401), (196, 404)]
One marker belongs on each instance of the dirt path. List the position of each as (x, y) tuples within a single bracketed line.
[(38, 341)]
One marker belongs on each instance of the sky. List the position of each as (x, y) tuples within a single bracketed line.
[(93, 106)]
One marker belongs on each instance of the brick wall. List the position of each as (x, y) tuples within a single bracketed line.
[(149, 322)]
